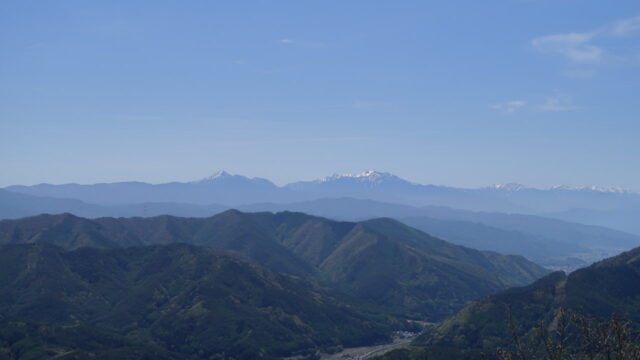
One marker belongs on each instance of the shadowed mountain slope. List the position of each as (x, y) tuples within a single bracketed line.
[(545, 240), (177, 298), (382, 261), (550, 242), (603, 288)]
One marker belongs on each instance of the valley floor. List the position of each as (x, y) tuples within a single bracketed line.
[(369, 352)]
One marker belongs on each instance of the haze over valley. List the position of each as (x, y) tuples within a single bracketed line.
[(319, 180), (484, 218)]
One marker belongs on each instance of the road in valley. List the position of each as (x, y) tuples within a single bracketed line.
[(369, 352)]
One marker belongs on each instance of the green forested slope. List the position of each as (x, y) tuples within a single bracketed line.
[(382, 261), (606, 287), (171, 299)]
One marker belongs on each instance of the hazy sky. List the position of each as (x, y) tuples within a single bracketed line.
[(463, 93)]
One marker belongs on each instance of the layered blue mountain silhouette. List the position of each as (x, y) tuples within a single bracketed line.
[(559, 227)]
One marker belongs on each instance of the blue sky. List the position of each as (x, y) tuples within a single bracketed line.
[(462, 93)]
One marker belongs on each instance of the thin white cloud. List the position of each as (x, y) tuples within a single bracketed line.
[(626, 26), (574, 46), (559, 101), (509, 106), (581, 47), (286, 41)]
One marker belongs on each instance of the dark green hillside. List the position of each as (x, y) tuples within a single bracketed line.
[(175, 298), (383, 261), (311, 238), (433, 353), (31, 341), (408, 271), (606, 287), (65, 230), (510, 269), (231, 230)]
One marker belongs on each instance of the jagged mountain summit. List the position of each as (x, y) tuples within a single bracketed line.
[(515, 187), (217, 175), (510, 187), (221, 187), (371, 177), (374, 185), (222, 176), (613, 189)]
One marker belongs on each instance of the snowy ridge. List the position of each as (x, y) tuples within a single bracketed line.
[(510, 187), (223, 175), (515, 187), (367, 176), (217, 175), (615, 190), (372, 177)]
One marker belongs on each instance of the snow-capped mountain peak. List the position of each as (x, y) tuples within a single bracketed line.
[(615, 190), (217, 175), (367, 176), (510, 187), (515, 187)]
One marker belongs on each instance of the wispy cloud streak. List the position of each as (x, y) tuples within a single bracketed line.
[(586, 47), (509, 106)]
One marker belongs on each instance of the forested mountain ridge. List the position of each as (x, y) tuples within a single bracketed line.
[(547, 241), (606, 287), (169, 301), (382, 261)]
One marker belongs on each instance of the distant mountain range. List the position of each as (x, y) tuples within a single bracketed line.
[(14, 205), (221, 188), (627, 220), (553, 243), (234, 190)]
